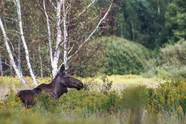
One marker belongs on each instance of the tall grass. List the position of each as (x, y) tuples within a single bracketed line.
[(136, 104)]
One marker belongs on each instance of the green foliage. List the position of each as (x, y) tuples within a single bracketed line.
[(169, 98), (12, 101), (112, 55), (134, 97), (170, 63), (124, 57), (141, 21), (175, 20), (174, 54)]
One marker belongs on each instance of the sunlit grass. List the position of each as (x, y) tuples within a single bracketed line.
[(122, 81)]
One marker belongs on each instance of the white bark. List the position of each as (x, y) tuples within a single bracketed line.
[(65, 49), (58, 38), (62, 34), (19, 75), (54, 55), (19, 56), (17, 3)]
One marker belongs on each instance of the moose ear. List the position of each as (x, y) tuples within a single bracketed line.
[(62, 68), (70, 70)]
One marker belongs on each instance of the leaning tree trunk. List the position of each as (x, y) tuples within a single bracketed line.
[(19, 75), (17, 2)]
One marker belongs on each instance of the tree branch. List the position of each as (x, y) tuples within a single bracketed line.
[(91, 34)]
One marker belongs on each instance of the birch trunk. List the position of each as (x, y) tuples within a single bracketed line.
[(17, 3), (54, 57), (19, 75), (62, 34), (65, 55), (58, 39)]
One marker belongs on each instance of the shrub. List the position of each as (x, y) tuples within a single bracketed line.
[(168, 97), (124, 57), (170, 64), (174, 54), (111, 55)]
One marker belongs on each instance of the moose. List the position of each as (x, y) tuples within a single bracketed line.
[(27, 97), (56, 88)]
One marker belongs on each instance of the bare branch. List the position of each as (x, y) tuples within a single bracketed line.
[(52, 4), (71, 49), (93, 1), (91, 34), (9, 18)]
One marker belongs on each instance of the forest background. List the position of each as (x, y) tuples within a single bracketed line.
[(40, 39)]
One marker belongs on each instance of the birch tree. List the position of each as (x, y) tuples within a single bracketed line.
[(17, 3), (64, 18), (6, 40)]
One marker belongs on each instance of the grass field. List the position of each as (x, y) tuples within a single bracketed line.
[(93, 106), (118, 82)]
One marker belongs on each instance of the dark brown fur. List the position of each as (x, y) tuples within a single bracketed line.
[(27, 97)]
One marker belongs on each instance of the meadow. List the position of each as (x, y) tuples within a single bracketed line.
[(113, 99)]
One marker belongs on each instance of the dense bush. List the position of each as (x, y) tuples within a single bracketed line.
[(173, 54), (113, 55), (170, 63), (124, 57)]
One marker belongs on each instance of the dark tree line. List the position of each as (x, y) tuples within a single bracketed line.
[(151, 23)]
